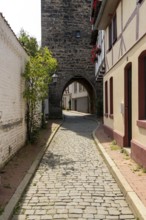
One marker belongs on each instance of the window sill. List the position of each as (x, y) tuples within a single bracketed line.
[(141, 123), (111, 116)]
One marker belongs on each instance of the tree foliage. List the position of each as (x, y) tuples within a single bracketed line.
[(29, 43), (38, 72)]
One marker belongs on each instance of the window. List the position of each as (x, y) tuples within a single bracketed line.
[(142, 86), (80, 87), (106, 98), (113, 31), (139, 1), (111, 96), (75, 87), (67, 90), (110, 35)]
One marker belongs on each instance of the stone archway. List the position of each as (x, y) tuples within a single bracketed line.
[(66, 31), (90, 90), (56, 93)]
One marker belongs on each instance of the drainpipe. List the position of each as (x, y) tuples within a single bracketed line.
[(91, 7), (100, 12)]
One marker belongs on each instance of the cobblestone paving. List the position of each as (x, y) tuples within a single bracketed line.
[(72, 181)]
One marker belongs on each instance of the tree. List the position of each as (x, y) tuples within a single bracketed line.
[(29, 43), (38, 72)]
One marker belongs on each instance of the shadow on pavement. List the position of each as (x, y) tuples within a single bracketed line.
[(83, 125), (55, 160)]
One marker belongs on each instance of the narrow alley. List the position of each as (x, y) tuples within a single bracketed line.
[(72, 181)]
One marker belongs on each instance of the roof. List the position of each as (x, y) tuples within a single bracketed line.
[(107, 10)]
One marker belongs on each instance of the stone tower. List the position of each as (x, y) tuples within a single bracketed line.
[(66, 31)]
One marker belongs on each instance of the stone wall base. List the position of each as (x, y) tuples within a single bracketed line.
[(119, 138), (108, 131), (138, 151)]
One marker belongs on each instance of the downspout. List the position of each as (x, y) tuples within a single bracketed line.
[(100, 13), (91, 7)]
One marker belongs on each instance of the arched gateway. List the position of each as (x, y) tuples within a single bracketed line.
[(66, 31)]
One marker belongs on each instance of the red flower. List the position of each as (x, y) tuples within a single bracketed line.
[(95, 4), (93, 51), (93, 55), (96, 50)]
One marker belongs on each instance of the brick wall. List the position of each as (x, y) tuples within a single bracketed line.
[(12, 106)]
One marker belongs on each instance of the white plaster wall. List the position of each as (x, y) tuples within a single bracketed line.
[(100, 42), (78, 94), (80, 97), (133, 30), (66, 99), (12, 106), (134, 48), (117, 124), (83, 104)]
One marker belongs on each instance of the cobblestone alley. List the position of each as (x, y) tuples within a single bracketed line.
[(72, 181)]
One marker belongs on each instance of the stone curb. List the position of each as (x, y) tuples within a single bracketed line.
[(132, 199), (8, 211)]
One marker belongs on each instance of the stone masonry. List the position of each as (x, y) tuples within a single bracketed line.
[(61, 21), (73, 181)]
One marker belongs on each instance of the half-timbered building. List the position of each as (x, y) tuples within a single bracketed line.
[(124, 22)]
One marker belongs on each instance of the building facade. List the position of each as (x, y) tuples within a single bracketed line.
[(76, 98), (66, 98), (12, 106), (124, 82)]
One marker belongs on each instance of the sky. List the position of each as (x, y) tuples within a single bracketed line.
[(24, 14)]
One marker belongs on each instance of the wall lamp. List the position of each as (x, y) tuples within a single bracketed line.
[(55, 78)]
